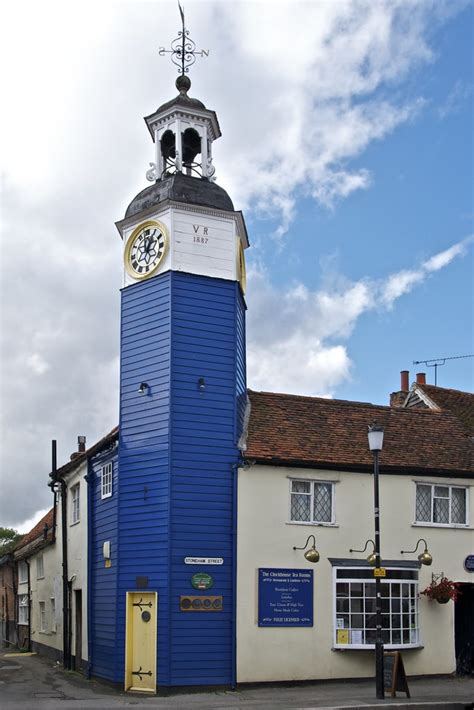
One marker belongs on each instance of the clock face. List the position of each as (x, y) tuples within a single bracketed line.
[(145, 249), (242, 270)]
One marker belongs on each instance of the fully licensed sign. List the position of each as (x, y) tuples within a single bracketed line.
[(285, 597)]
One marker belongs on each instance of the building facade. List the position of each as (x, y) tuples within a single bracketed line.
[(181, 561)]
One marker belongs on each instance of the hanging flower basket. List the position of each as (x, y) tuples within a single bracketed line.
[(442, 590)]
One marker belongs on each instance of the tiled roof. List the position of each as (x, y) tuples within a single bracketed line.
[(83, 456), (37, 532), (461, 404), (330, 433)]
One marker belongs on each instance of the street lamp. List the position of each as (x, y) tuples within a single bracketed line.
[(375, 445), (312, 555)]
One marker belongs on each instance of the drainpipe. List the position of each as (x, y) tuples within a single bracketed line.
[(69, 621), (55, 481), (90, 492), (66, 659), (28, 648)]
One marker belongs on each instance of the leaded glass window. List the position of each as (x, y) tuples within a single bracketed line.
[(441, 505), (311, 502)]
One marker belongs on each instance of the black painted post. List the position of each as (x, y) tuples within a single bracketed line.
[(379, 679)]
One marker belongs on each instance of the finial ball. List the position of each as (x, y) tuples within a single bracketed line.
[(183, 83)]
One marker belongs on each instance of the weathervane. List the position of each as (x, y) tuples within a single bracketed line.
[(183, 50)]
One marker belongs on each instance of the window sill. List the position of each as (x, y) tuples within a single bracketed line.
[(314, 525), (442, 526), (371, 647), (76, 522)]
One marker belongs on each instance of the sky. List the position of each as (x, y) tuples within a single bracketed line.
[(347, 142)]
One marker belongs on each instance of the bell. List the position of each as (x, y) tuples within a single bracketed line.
[(191, 145), (425, 558), (312, 555), (168, 145)]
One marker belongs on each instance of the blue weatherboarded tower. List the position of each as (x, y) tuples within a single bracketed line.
[(163, 609)]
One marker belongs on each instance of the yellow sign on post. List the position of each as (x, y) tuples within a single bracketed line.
[(380, 572)]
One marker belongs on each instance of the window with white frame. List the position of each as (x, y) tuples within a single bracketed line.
[(42, 616), (311, 501), (354, 608), (22, 572), (75, 516), (440, 504), (39, 567), (106, 481), (23, 615), (53, 614)]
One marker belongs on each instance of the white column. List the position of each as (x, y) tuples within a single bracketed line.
[(204, 156), (179, 147), (158, 154)]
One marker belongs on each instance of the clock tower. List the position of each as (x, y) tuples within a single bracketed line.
[(182, 406)]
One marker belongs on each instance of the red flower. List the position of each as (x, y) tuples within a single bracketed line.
[(442, 590)]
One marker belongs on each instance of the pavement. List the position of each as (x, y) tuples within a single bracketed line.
[(30, 682)]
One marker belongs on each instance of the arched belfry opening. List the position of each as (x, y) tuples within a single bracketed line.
[(168, 149), (191, 142)]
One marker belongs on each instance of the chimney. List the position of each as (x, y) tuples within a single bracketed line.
[(81, 447), (404, 380), (397, 399), (420, 378)]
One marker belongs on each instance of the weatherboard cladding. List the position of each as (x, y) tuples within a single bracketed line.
[(103, 581), (144, 453), (177, 457), (203, 455)]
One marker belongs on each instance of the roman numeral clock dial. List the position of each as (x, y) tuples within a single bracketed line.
[(145, 249)]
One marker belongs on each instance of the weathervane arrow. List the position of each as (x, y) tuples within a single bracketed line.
[(183, 49)]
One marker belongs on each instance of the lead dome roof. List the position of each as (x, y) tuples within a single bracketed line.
[(181, 188)]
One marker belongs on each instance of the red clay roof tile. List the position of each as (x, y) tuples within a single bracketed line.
[(331, 433)]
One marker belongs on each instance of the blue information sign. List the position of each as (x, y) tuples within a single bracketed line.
[(285, 597), (469, 563)]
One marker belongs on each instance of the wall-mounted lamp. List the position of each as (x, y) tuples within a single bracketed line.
[(143, 388), (201, 384), (312, 555), (425, 558), (372, 558)]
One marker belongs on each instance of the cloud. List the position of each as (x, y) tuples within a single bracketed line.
[(297, 108), (458, 95), (294, 348)]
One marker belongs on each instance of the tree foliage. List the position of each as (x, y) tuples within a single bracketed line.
[(8, 539)]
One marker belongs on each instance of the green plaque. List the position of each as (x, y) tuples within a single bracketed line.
[(202, 580)]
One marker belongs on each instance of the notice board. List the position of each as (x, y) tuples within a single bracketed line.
[(394, 673), (285, 597)]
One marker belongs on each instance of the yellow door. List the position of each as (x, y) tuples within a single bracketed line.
[(140, 641)]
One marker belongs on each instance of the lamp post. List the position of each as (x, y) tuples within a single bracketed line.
[(375, 445)]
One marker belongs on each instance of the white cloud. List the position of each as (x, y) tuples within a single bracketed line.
[(439, 261), (292, 348), (460, 93), (36, 363), (28, 524), (296, 107)]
